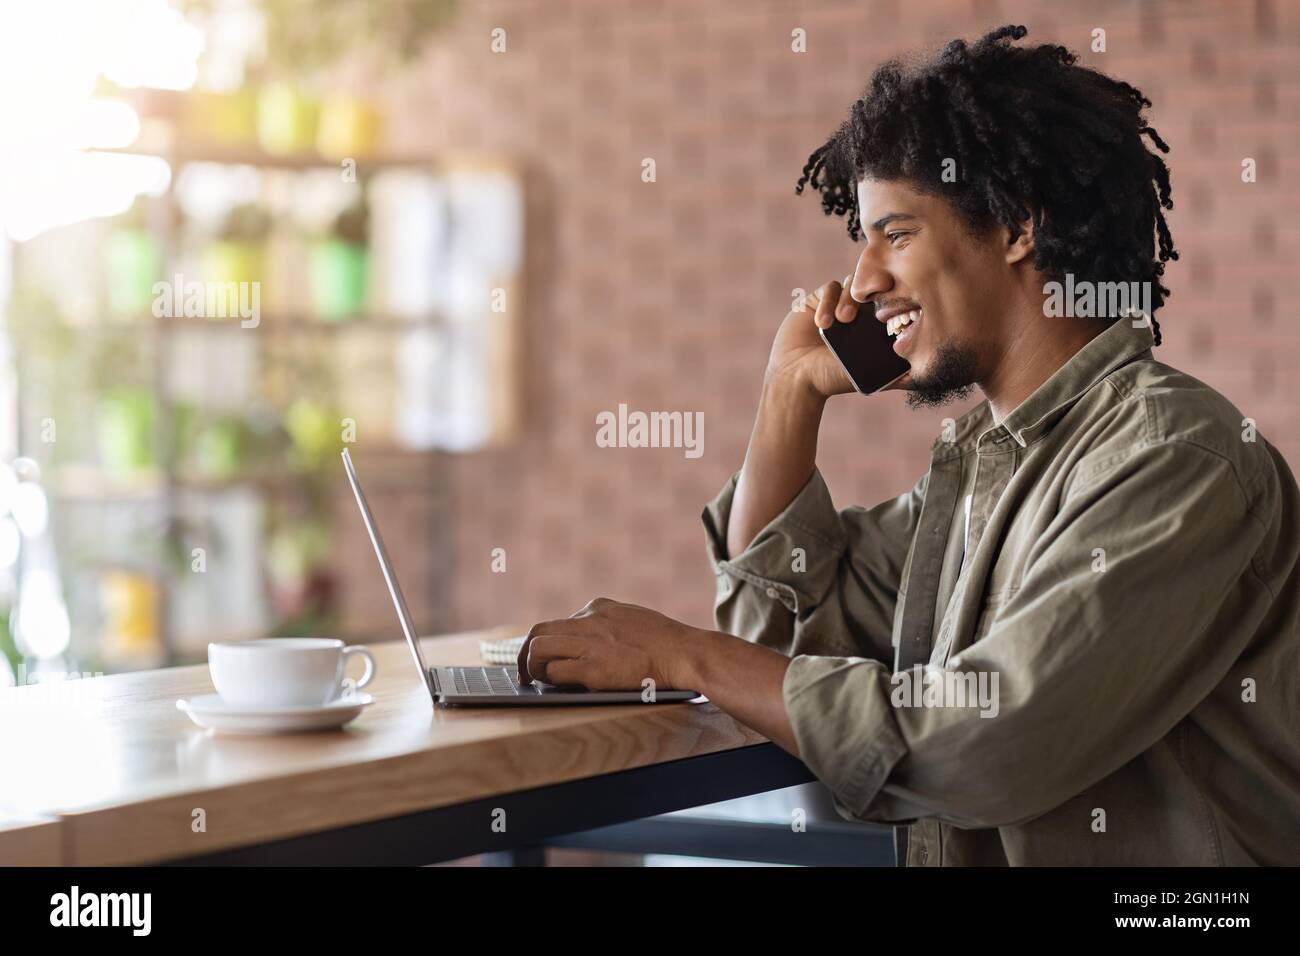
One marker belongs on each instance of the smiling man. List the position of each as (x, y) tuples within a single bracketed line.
[(1074, 641)]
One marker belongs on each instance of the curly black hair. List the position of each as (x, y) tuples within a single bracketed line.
[(1031, 133)]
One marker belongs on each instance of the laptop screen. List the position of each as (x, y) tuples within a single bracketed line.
[(394, 589)]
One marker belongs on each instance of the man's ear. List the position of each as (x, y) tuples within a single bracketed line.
[(1020, 241)]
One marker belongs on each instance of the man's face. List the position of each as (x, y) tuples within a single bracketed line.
[(921, 257)]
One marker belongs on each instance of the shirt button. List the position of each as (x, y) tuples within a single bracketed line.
[(771, 592)]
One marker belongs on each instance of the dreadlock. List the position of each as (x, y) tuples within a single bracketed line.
[(1033, 135)]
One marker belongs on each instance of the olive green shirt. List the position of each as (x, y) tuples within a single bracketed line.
[(1129, 599)]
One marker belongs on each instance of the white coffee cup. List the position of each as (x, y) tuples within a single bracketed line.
[(284, 671)]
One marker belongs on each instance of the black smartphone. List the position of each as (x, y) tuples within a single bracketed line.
[(865, 350)]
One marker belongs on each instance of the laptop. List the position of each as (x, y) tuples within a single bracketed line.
[(483, 686)]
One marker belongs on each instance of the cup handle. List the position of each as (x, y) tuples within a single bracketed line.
[(370, 665)]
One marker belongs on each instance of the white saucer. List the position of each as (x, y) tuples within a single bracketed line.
[(210, 711)]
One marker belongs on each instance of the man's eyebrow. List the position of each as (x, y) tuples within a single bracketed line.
[(886, 219)]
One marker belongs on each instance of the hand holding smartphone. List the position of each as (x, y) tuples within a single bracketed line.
[(865, 351)]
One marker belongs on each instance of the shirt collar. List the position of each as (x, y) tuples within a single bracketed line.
[(1119, 343)]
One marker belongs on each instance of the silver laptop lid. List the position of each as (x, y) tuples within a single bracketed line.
[(394, 589)]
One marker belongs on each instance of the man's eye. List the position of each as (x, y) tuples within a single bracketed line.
[(893, 236)]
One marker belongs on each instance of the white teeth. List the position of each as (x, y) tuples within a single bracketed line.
[(899, 322)]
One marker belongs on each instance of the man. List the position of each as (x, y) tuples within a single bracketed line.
[(1102, 555)]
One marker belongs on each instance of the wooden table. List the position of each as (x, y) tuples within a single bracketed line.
[(110, 771), (26, 840)]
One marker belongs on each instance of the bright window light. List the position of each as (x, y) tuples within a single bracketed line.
[(52, 54)]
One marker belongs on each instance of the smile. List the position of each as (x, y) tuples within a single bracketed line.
[(899, 322), (903, 328)]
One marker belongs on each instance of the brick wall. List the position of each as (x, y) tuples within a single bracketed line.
[(665, 295)]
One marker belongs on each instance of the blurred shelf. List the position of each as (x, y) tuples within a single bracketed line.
[(189, 152), (276, 325), (169, 495), (173, 146), (407, 467), (85, 483), (287, 481), (295, 324)]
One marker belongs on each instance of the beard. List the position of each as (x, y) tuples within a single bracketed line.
[(950, 378)]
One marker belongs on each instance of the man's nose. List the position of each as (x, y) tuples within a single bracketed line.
[(868, 279)]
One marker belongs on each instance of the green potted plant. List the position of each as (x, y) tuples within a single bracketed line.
[(133, 262), (349, 126), (304, 585), (338, 263), (310, 41), (236, 251), (221, 118), (300, 48), (287, 118), (126, 417)]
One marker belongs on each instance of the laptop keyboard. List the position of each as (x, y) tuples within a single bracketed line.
[(489, 681)]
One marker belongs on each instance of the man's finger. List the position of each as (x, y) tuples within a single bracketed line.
[(569, 672), (521, 662), (547, 649), (830, 297), (522, 657), (847, 309)]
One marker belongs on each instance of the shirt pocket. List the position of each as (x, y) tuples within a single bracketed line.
[(987, 616)]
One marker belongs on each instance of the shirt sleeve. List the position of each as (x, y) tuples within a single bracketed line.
[(815, 580), (1088, 667)]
